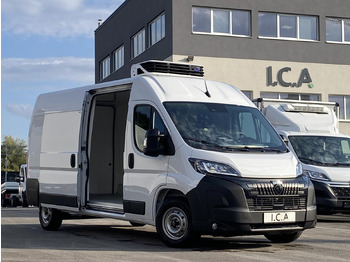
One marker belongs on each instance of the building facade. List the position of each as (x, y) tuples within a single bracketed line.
[(273, 48)]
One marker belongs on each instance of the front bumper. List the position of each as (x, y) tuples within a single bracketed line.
[(332, 197), (223, 205)]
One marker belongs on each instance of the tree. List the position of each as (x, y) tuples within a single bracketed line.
[(13, 153)]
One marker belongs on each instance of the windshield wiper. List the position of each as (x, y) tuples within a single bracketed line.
[(257, 148), (311, 161), (204, 142)]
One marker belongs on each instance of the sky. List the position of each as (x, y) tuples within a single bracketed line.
[(46, 45)]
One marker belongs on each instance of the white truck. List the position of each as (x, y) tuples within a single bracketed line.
[(167, 148), (22, 189), (311, 131), (9, 188)]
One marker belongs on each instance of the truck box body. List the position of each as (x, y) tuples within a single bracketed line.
[(311, 129), (162, 148)]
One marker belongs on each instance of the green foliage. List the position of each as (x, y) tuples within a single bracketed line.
[(14, 149)]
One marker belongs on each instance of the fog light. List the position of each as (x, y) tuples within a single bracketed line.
[(214, 226)]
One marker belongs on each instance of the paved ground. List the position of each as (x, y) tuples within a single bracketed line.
[(22, 239)]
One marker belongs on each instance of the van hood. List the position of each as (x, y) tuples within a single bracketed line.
[(254, 164), (335, 174)]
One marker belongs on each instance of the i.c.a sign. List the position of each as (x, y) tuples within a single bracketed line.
[(304, 78)]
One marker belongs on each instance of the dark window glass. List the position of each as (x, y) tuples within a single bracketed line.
[(333, 29), (241, 23), (201, 20), (268, 24), (288, 26), (145, 118)]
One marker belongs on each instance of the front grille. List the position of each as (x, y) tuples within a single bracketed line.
[(276, 195), (276, 203), (341, 192), (271, 189)]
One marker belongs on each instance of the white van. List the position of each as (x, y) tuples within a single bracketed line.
[(22, 189), (169, 149), (311, 130)]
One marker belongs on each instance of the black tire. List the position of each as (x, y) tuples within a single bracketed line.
[(4, 202), (24, 200), (50, 219), (283, 237), (14, 201), (134, 224), (174, 223)]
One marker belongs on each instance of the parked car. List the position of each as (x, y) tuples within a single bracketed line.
[(9, 188)]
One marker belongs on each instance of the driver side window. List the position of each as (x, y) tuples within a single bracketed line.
[(146, 117)]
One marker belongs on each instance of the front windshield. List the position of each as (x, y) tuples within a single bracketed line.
[(322, 150), (222, 127)]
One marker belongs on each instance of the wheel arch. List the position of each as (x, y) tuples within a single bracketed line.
[(167, 193)]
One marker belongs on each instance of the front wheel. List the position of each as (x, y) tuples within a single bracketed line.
[(50, 219), (283, 237), (174, 224)]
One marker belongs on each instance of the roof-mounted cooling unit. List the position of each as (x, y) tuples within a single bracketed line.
[(167, 68)]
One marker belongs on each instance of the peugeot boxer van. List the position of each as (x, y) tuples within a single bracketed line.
[(166, 148), (311, 130)]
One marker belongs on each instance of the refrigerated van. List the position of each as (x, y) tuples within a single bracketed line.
[(311, 131), (166, 148)]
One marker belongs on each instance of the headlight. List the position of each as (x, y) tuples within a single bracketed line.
[(208, 167), (316, 175), (299, 169)]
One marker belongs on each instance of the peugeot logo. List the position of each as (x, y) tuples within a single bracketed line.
[(278, 187)]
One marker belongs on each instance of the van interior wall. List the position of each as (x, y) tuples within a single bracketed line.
[(107, 146)]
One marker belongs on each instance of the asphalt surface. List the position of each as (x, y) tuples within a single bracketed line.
[(22, 239)]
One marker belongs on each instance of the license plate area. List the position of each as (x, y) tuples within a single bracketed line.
[(279, 217)]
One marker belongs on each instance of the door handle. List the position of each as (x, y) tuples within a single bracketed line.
[(131, 161)]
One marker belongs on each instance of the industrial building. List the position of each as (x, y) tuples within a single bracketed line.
[(273, 48)]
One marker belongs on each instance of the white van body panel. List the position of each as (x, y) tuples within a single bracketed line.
[(86, 156), (335, 173), (301, 121)]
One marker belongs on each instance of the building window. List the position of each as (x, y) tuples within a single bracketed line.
[(248, 94), (105, 68), (157, 29), (291, 96), (138, 43), (337, 30), (296, 27), (118, 58), (220, 21), (344, 105)]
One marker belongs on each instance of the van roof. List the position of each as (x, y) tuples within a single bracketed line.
[(169, 81)]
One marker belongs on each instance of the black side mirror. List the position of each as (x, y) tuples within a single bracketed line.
[(285, 140), (153, 144)]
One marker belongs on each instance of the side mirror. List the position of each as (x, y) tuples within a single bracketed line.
[(285, 140), (152, 144)]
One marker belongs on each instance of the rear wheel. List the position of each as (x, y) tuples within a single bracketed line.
[(14, 201), (174, 224), (50, 219), (24, 200), (283, 237)]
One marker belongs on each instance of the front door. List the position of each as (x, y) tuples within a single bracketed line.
[(143, 174)]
